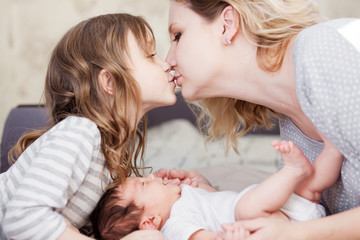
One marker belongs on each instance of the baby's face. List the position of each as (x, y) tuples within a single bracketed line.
[(154, 193)]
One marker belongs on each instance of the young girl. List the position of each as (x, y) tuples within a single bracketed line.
[(100, 82)]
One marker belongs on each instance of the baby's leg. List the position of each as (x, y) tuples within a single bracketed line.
[(327, 167), (271, 194), (293, 158)]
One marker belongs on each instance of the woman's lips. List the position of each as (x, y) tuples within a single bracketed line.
[(176, 80)]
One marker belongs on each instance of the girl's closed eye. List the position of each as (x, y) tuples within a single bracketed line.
[(177, 37)]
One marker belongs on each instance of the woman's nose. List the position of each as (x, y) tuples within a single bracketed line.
[(170, 59)]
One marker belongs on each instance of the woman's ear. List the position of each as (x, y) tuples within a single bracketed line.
[(106, 82), (230, 23), (150, 223)]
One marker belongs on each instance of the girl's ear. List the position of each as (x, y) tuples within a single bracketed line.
[(106, 82), (230, 23), (150, 223)]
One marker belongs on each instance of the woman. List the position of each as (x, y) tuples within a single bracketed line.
[(253, 61)]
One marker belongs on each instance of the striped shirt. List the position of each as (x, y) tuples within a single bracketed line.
[(59, 175)]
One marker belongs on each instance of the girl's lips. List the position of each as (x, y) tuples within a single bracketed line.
[(175, 80)]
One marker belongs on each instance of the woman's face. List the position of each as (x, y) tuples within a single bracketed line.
[(194, 51), (152, 74)]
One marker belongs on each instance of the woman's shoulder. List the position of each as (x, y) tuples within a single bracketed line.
[(327, 75), (323, 57), (321, 38), (327, 26)]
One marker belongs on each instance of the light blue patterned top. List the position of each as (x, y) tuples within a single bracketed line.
[(327, 75)]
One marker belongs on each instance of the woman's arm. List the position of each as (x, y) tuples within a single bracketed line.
[(343, 225), (203, 235), (72, 233), (231, 232), (145, 235)]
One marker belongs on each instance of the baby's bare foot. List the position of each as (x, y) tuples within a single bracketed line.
[(293, 157)]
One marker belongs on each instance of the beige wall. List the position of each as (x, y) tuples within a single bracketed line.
[(29, 29)]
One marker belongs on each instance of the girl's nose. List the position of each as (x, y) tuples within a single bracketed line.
[(166, 66)]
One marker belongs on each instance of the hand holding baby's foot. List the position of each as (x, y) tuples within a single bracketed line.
[(293, 157)]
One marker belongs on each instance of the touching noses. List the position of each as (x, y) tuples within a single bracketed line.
[(166, 66), (170, 59)]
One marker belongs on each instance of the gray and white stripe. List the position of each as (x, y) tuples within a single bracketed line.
[(60, 174)]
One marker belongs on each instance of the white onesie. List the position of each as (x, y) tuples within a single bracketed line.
[(198, 209)]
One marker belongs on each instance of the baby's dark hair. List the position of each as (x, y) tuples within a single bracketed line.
[(114, 217)]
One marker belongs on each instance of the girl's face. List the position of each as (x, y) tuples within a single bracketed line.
[(152, 74), (194, 52)]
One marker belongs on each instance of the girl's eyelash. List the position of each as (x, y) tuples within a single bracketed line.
[(177, 37)]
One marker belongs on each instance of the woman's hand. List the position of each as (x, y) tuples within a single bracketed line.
[(233, 231), (69, 225), (72, 233), (145, 235), (178, 177), (271, 228)]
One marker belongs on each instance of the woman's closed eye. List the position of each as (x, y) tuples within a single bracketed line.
[(177, 37)]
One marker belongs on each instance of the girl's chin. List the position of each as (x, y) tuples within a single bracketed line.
[(172, 101)]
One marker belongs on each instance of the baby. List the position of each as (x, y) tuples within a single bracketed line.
[(185, 212)]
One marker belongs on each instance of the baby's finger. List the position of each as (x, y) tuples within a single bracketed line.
[(161, 173), (175, 181)]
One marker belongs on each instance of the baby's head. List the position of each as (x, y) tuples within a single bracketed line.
[(139, 203)]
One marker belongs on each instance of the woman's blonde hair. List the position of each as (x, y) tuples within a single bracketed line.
[(72, 87), (270, 25)]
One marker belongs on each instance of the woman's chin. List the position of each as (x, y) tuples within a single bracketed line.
[(189, 95)]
